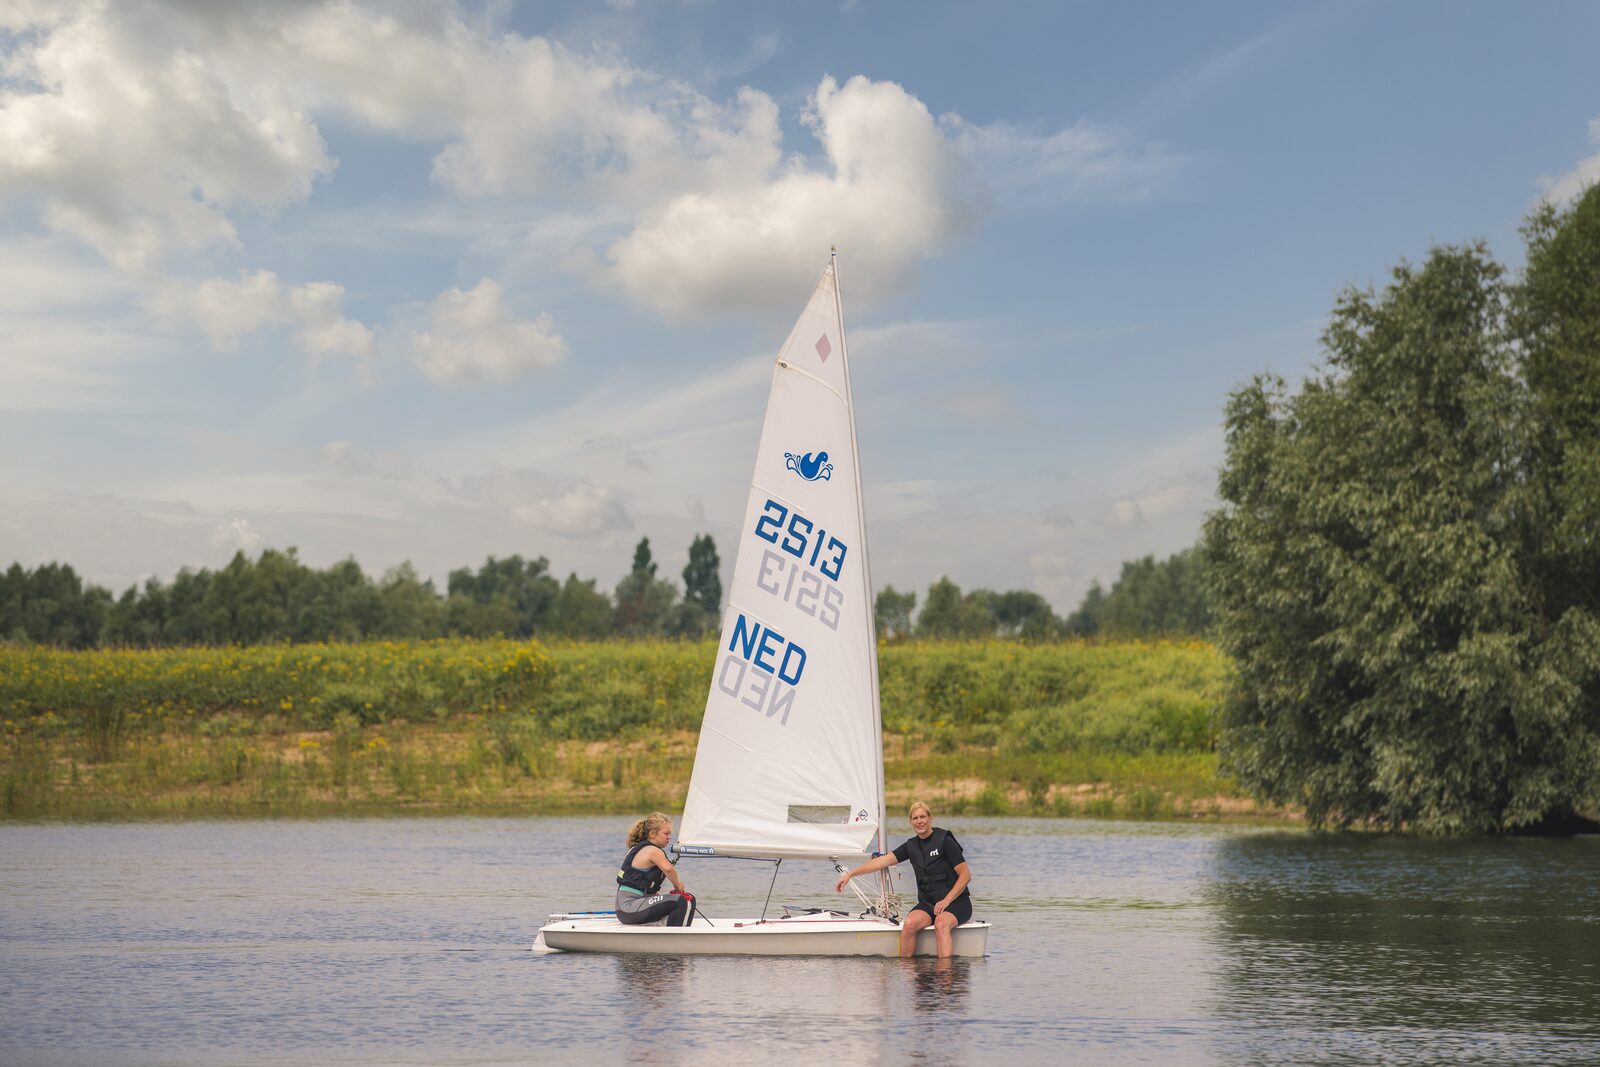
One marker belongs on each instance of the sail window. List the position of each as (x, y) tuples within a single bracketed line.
[(819, 813)]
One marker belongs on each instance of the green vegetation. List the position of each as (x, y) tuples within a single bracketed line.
[(1407, 568), (1148, 599), (1068, 728)]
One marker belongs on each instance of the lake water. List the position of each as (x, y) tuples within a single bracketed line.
[(407, 941)]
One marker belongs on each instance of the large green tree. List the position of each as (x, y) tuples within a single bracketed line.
[(1387, 569)]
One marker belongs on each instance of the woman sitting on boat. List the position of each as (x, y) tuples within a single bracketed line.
[(942, 876), (643, 870)]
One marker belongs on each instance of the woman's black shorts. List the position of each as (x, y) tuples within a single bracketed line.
[(961, 908)]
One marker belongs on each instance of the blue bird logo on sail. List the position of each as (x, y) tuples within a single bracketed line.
[(813, 466)]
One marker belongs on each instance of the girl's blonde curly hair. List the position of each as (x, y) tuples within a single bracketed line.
[(641, 830)]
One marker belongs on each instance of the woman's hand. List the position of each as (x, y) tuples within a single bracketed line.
[(938, 909), (838, 887)]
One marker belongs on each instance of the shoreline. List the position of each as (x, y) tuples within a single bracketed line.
[(466, 768)]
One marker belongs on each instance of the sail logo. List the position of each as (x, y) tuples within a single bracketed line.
[(761, 669), (812, 466), (861, 816)]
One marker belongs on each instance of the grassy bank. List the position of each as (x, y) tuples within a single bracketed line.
[(1102, 729)]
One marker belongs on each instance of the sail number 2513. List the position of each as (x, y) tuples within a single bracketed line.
[(802, 539)]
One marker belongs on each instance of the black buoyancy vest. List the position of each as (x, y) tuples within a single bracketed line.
[(647, 880), (936, 875)]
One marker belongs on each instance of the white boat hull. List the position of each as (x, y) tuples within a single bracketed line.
[(799, 935)]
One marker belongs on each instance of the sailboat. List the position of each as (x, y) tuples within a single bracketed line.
[(790, 758)]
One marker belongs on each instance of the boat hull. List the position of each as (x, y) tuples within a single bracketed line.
[(800, 935)]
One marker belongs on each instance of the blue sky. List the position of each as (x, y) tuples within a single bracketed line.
[(433, 282)]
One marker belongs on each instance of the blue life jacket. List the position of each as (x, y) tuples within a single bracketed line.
[(645, 881)]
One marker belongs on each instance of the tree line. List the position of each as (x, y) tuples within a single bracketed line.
[(277, 598)]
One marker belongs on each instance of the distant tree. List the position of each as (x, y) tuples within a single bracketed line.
[(409, 606), (893, 612), (699, 611), (13, 592), (1154, 598), (1401, 570), (946, 613), (1023, 614), (51, 605), (1086, 621), (139, 617), (187, 620), (941, 611), (581, 610), (644, 603), (512, 594), (976, 617), (467, 617), (702, 582), (338, 604)]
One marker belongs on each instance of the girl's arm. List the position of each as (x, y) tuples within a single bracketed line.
[(659, 859)]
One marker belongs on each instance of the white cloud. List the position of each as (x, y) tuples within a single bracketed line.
[(1123, 512), (141, 127), (1569, 186), (337, 453), (892, 194), (228, 310), (584, 511), (322, 329), (237, 534), (474, 339), (136, 143)]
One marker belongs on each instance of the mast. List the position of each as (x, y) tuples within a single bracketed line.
[(866, 570)]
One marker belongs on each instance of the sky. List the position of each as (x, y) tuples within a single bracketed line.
[(437, 282)]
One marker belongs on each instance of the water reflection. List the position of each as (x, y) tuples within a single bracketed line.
[(652, 982), (1407, 949), (939, 986)]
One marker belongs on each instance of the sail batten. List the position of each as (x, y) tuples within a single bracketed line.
[(794, 686)]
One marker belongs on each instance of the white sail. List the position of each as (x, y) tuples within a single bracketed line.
[(790, 760)]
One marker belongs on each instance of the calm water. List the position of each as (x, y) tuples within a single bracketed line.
[(405, 941)]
